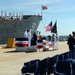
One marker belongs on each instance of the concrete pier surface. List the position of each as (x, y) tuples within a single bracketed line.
[(11, 61)]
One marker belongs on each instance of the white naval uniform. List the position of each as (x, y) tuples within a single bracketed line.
[(53, 42), (25, 34), (56, 41), (29, 38), (38, 36)]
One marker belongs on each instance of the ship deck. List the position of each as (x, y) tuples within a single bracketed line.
[(11, 61)]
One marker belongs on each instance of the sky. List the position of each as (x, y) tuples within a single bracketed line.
[(61, 10)]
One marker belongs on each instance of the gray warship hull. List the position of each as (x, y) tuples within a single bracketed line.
[(16, 28)]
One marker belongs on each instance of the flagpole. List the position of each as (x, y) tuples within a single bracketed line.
[(41, 10), (56, 26)]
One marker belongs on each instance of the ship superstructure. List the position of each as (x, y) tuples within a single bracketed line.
[(14, 26)]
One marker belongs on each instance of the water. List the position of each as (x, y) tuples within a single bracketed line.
[(60, 37), (63, 37)]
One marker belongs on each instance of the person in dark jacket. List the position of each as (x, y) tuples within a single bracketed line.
[(49, 38), (73, 33), (35, 38), (70, 42)]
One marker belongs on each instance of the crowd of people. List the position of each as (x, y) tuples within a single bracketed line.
[(32, 38), (71, 41)]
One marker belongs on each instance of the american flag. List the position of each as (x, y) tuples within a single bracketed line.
[(44, 7), (21, 42), (49, 27), (54, 28)]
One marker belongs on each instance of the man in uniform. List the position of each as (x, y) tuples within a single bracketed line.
[(53, 41), (29, 37), (56, 41), (25, 34)]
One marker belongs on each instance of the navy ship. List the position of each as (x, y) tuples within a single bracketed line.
[(14, 26)]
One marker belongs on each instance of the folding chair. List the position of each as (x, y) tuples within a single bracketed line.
[(61, 57), (51, 64), (32, 67), (73, 54), (66, 55), (70, 54), (72, 61), (73, 68), (44, 66), (63, 67)]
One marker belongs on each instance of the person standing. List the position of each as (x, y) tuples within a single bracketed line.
[(53, 41), (73, 33), (37, 35), (25, 34), (70, 42), (29, 37), (35, 38), (40, 36), (49, 38), (56, 41)]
